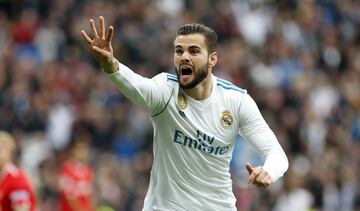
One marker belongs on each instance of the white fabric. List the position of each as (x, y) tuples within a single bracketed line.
[(192, 152)]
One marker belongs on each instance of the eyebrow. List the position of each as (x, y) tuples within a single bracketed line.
[(190, 47)]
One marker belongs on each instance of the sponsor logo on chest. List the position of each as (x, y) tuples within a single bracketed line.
[(202, 142)]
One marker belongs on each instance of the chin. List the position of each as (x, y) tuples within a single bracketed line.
[(188, 85)]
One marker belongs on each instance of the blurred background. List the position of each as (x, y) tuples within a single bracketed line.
[(299, 60)]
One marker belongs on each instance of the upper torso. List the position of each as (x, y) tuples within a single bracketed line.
[(193, 148), (75, 182), (194, 140), (15, 190)]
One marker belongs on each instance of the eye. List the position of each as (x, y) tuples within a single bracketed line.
[(194, 51), (178, 51)]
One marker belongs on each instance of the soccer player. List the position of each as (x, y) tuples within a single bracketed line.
[(16, 193), (196, 117), (76, 180)]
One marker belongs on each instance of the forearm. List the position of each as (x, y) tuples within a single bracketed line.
[(276, 164), (257, 132), (132, 85), (275, 160)]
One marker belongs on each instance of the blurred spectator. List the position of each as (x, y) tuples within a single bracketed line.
[(16, 192), (76, 177), (295, 196)]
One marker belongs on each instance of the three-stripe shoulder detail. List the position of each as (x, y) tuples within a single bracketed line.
[(229, 86), (171, 77)]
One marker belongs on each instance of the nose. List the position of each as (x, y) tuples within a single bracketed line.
[(185, 57)]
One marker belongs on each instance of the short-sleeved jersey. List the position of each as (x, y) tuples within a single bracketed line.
[(75, 183), (194, 140), (15, 190)]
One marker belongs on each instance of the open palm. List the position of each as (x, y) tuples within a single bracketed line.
[(100, 44)]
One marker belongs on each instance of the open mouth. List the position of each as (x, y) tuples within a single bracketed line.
[(186, 70)]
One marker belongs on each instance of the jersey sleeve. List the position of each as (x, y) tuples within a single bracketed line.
[(256, 131), (153, 94)]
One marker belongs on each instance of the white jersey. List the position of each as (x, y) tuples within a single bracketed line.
[(194, 140)]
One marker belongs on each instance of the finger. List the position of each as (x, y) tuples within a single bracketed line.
[(263, 184), (102, 27), (110, 34), (262, 178), (93, 28), (266, 181), (260, 185), (253, 175), (249, 168), (86, 37)]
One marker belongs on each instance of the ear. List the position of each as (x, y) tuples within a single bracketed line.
[(212, 59)]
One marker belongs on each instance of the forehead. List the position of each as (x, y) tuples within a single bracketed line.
[(185, 41), (3, 146), (6, 141)]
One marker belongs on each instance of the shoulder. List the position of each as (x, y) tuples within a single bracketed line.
[(67, 166), (171, 78), (12, 171), (229, 88), (16, 178), (166, 79)]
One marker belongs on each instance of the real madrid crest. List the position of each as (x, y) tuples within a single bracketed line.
[(182, 103), (226, 119)]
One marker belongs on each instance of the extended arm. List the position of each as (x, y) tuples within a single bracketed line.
[(256, 131), (145, 92)]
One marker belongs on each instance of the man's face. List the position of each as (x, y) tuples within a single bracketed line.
[(191, 60)]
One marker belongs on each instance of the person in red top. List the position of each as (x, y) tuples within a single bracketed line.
[(16, 193), (75, 180)]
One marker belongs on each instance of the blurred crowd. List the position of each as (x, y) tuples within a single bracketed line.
[(299, 60)]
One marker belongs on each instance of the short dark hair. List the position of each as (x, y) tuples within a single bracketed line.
[(197, 28)]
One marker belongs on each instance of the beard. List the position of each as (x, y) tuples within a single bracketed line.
[(199, 76)]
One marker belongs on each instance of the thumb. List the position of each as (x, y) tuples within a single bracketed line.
[(249, 168)]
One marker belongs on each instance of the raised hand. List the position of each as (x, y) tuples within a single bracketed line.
[(100, 45), (258, 176)]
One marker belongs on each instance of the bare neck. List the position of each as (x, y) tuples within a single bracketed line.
[(201, 91)]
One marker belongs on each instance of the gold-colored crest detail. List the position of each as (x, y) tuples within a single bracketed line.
[(226, 119), (182, 103)]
